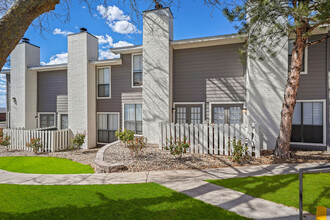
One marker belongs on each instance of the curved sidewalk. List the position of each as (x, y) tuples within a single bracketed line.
[(189, 182), (152, 176)]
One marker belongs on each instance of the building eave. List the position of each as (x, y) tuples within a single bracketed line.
[(110, 62), (208, 41), (5, 71), (127, 50), (49, 67)]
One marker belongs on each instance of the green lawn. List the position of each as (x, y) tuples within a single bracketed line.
[(284, 189), (128, 201), (43, 165)]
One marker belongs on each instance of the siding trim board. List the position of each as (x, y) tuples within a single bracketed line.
[(324, 125), (189, 103)]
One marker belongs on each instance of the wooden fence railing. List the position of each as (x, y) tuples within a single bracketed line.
[(212, 138), (52, 140)]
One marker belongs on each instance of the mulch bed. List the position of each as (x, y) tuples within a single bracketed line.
[(80, 156), (151, 158)]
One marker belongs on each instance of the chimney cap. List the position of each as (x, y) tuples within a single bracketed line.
[(83, 29), (25, 40)]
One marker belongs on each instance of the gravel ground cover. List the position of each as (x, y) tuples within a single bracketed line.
[(151, 158), (81, 156)]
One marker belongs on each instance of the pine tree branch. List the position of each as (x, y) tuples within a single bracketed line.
[(318, 41)]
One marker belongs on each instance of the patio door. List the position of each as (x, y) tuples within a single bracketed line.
[(189, 114), (107, 126)]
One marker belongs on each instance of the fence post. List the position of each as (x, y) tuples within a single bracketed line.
[(257, 141), (191, 138), (160, 143), (177, 131), (205, 138), (196, 138), (211, 147), (226, 139), (216, 139), (201, 137), (232, 140)]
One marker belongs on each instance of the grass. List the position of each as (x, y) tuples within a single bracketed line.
[(128, 201), (43, 165), (284, 189)]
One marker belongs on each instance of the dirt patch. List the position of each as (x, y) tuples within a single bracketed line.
[(151, 158), (81, 156)]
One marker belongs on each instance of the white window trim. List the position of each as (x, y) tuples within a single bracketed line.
[(225, 103), (189, 103), (97, 82), (132, 71), (60, 121), (324, 124), (47, 113), (123, 114), (97, 121), (306, 59)]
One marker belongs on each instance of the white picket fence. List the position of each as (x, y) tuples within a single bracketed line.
[(53, 140), (212, 138)]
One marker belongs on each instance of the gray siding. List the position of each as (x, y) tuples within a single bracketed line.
[(50, 85), (120, 86), (208, 74), (62, 104), (313, 85)]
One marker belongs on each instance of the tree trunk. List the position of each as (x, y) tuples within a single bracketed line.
[(17, 20), (282, 149)]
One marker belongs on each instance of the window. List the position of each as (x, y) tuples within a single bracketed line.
[(137, 70), (304, 64), (103, 83), (46, 120), (227, 114), (189, 113), (307, 122), (64, 121), (107, 125), (133, 117)]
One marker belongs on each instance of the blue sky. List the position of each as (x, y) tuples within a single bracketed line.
[(115, 28)]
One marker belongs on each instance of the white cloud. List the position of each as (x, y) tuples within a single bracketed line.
[(112, 13), (57, 59), (122, 44), (105, 40), (83, 7), (124, 27), (117, 20), (58, 31), (107, 54)]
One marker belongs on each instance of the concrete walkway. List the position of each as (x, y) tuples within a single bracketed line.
[(189, 182)]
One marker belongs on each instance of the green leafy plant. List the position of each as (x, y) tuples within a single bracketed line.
[(36, 144), (125, 136), (136, 145), (177, 147), (239, 151), (78, 140), (5, 141)]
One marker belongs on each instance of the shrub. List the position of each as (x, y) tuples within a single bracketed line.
[(136, 145), (125, 136), (78, 140), (239, 152), (178, 147), (5, 142), (35, 144)]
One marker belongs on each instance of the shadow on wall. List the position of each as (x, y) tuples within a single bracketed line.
[(267, 80)]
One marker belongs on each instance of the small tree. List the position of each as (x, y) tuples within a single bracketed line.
[(78, 140), (5, 141), (36, 144), (178, 147), (125, 136)]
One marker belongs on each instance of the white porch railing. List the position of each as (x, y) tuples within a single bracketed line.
[(212, 138), (52, 140)]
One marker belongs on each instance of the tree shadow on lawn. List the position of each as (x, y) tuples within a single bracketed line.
[(176, 206), (275, 188)]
